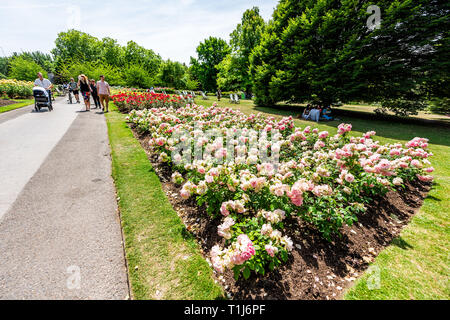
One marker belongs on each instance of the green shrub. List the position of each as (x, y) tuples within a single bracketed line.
[(401, 107), (440, 106), (24, 69), (16, 89), (92, 70), (137, 77)]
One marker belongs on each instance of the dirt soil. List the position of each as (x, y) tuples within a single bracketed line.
[(317, 269), (4, 103)]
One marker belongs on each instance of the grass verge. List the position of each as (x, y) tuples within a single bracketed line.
[(17, 105), (164, 262), (415, 265)]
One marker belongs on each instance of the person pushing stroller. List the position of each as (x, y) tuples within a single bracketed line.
[(44, 83)]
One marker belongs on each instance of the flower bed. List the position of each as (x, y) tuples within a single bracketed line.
[(16, 89), (132, 100), (325, 180)]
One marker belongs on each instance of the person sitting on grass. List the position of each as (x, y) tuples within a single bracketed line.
[(306, 112), (326, 114), (314, 114)]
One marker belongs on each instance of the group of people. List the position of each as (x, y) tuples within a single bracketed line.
[(317, 112), (100, 91)]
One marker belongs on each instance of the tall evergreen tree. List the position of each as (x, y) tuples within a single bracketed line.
[(326, 49)]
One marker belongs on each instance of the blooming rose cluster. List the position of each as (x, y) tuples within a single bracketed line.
[(239, 252), (132, 100), (322, 178)]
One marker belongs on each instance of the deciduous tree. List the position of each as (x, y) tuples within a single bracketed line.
[(210, 53)]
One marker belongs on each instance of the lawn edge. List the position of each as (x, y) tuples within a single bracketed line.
[(18, 105), (138, 289)]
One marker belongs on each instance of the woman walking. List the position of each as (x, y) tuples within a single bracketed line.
[(83, 84), (95, 96)]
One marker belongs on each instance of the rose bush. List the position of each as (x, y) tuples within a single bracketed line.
[(132, 100), (16, 89), (323, 179)]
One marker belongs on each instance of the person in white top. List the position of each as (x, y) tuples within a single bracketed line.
[(44, 83), (103, 92)]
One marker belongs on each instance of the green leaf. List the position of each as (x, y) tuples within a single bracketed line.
[(246, 273), (236, 273)]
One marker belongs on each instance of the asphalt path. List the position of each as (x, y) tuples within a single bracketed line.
[(60, 234)]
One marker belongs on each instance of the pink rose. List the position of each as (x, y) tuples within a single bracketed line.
[(185, 194), (425, 178), (349, 177), (201, 170), (223, 209), (271, 250), (323, 134), (416, 163)]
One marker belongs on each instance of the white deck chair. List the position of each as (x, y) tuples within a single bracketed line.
[(236, 98)]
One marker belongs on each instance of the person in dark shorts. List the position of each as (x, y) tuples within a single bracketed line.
[(94, 92), (219, 94), (85, 89), (73, 86)]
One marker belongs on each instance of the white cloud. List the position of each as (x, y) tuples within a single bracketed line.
[(172, 28)]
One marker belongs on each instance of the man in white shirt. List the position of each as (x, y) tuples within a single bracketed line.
[(314, 114), (44, 83), (104, 92)]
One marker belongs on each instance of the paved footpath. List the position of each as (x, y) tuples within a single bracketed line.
[(60, 235)]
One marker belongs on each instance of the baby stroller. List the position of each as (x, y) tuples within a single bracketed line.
[(41, 99)]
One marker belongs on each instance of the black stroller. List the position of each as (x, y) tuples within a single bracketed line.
[(41, 99)]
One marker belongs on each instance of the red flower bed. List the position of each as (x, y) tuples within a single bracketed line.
[(127, 101)]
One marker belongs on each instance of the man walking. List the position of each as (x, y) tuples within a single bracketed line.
[(73, 86), (44, 83), (103, 92)]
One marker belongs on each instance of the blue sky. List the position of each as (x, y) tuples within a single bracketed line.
[(172, 28)]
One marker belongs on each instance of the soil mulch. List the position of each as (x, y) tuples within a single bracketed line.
[(317, 269), (4, 103)]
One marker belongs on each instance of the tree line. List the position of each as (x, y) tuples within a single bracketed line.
[(77, 52), (326, 52)]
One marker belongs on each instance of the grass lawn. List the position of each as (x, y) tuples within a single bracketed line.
[(163, 262), (415, 265), (422, 114), (370, 109), (17, 105)]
